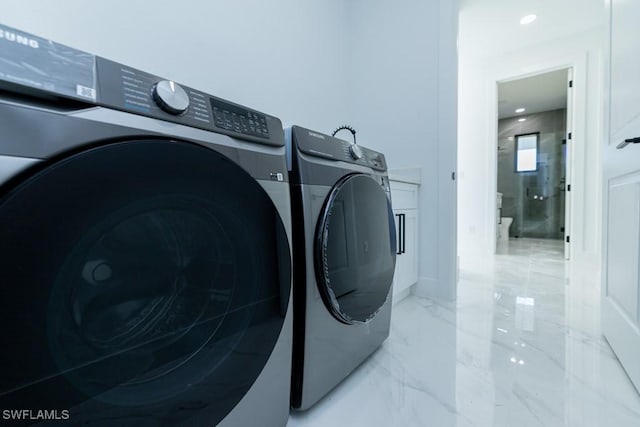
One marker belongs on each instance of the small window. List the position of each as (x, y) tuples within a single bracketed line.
[(527, 153)]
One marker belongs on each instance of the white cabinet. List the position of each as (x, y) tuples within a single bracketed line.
[(406, 256), (404, 198)]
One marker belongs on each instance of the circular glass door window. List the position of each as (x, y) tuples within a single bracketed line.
[(142, 277), (355, 249)]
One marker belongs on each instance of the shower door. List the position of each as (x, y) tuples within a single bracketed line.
[(541, 213)]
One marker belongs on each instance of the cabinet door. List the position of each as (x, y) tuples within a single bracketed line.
[(621, 198), (411, 246), (406, 273), (404, 195)]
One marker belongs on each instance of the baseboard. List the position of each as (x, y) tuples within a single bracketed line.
[(402, 295), (587, 267), (427, 287)]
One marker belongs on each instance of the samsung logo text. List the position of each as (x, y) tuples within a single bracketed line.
[(17, 38)]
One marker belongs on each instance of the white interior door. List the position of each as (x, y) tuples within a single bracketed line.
[(568, 168), (621, 198)]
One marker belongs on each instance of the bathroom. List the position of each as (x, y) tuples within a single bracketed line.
[(532, 158)]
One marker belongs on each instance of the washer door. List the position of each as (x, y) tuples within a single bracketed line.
[(355, 251), (141, 279)]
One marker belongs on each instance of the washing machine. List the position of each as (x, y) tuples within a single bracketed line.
[(344, 258), (144, 248)]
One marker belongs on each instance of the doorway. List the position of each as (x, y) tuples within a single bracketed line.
[(533, 158)]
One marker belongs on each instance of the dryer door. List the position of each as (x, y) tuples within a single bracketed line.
[(142, 282), (355, 251)]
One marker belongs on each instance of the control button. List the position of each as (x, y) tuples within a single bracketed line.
[(170, 97), (356, 151)]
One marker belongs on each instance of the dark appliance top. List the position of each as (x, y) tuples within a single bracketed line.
[(39, 67)]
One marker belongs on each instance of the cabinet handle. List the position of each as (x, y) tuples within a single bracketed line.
[(399, 252), (627, 142), (404, 232)]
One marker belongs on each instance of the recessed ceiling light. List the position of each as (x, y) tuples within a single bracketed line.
[(520, 110), (522, 119), (525, 20)]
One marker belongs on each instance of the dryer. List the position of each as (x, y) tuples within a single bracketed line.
[(344, 259), (144, 247)]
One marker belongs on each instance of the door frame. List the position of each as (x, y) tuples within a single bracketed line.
[(576, 159), (569, 166)]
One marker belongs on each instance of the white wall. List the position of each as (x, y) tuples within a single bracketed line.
[(477, 139), (386, 67), (287, 58), (403, 88)]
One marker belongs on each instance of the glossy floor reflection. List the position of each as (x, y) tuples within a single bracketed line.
[(521, 347)]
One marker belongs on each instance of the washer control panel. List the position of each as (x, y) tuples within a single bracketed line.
[(234, 118), (170, 96), (50, 69), (133, 90), (143, 93)]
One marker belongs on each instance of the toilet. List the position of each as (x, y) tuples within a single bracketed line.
[(503, 228)]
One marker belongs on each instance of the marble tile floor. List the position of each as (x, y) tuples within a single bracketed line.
[(522, 346)]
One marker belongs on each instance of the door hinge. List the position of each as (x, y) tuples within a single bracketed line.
[(568, 187), (568, 239), (570, 135), (453, 176), (570, 83)]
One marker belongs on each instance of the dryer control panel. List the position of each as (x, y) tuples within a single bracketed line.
[(43, 68), (328, 147)]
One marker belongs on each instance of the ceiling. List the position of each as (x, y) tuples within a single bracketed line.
[(543, 92), (492, 27)]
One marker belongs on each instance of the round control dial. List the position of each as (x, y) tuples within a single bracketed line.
[(171, 97), (356, 151)]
